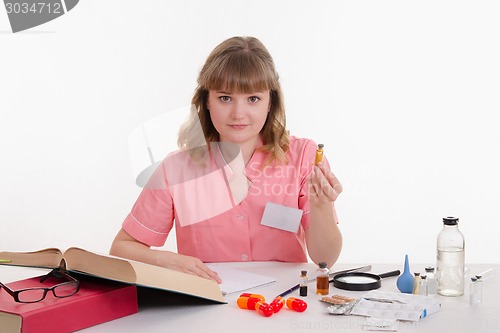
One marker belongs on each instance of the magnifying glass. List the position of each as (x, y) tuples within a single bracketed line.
[(360, 281)]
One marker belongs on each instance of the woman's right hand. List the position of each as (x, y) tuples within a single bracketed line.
[(188, 264), (126, 246)]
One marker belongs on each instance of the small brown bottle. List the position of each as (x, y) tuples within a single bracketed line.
[(322, 280), (303, 284), (319, 154)]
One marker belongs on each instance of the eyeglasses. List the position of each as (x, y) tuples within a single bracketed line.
[(33, 295)]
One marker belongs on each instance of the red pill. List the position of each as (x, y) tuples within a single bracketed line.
[(264, 309), (245, 302), (296, 304), (253, 296), (277, 304)]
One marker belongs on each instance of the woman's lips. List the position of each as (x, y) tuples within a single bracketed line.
[(238, 126)]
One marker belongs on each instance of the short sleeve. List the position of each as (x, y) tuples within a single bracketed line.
[(152, 215)]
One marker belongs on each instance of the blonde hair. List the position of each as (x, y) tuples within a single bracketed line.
[(238, 64)]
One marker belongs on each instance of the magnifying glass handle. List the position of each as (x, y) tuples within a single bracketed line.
[(388, 274)]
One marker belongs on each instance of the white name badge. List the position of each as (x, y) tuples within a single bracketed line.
[(281, 217)]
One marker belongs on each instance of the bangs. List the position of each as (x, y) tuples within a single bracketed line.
[(242, 72)]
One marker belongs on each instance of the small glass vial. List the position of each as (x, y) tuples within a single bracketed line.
[(416, 283), (450, 271), (476, 290), (319, 154), (322, 279), (431, 281), (303, 283), (474, 297), (423, 285)]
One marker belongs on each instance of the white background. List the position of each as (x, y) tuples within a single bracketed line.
[(403, 95)]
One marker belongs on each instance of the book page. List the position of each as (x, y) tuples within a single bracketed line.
[(168, 279), (141, 274), (106, 266), (235, 280), (48, 258), (10, 322)]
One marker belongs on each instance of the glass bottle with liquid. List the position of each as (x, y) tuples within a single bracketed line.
[(416, 283), (423, 285), (431, 281), (319, 154), (322, 279), (303, 283), (450, 259)]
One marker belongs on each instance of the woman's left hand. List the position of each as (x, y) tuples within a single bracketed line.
[(323, 185)]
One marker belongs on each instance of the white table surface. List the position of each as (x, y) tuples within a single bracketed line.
[(167, 312)]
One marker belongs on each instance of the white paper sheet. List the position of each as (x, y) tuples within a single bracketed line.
[(235, 280)]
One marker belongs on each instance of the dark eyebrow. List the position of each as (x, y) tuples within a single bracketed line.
[(230, 93)]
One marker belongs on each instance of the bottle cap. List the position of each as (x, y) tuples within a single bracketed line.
[(303, 272), (450, 220), (320, 145), (429, 269), (322, 264)]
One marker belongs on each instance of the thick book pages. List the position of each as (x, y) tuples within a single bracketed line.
[(96, 302), (118, 269)]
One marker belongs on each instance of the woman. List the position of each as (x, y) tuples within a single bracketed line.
[(241, 188)]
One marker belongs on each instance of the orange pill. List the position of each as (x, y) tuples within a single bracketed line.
[(296, 304), (264, 309), (277, 304), (259, 296), (245, 302)]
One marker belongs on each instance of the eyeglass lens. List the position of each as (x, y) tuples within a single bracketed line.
[(37, 294), (31, 295), (66, 289)]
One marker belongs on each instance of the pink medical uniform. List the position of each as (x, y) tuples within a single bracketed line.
[(209, 224)]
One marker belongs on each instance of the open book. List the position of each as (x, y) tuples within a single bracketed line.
[(118, 269)]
